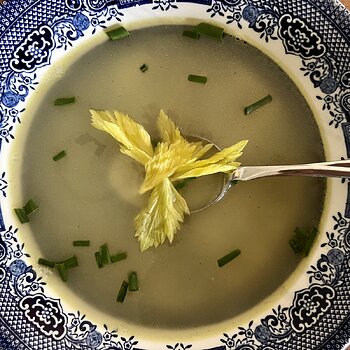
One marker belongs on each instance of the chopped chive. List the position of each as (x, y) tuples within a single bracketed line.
[(98, 260), (122, 292), (234, 182), (70, 262), (192, 34), (302, 241), (251, 108), (133, 282), (62, 270), (210, 30), (144, 68), (46, 262), (229, 257), (298, 241), (64, 101), (118, 33), (118, 257), (22, 215), (197, 78), (30, 207), (181, 184), (310, 240), (59, 156), (105, 257), (81, 243), (296, 246)]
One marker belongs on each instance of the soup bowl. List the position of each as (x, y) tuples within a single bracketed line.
[(40, 42)]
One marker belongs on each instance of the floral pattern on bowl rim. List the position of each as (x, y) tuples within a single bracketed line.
[(314, 35)]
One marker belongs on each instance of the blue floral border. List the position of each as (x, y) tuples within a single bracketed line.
[(31, 30)]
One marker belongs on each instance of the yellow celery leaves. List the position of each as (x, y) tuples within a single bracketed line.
[(174, 152), (161, 217), (222, 161), (169, 132), (133, 138), (173, 159), (167, 158)]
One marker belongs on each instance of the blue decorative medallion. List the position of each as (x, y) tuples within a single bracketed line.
[(34, 51), (299, 39), (315, 33), (46, 314)]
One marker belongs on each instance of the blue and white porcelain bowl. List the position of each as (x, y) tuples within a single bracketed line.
[(310, 40)]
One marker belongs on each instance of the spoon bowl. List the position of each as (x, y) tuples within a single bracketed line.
[(337, 169)]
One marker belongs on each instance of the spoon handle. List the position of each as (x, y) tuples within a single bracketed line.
[(340, 168)]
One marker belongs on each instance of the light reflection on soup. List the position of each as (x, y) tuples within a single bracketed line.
[(93, 192)]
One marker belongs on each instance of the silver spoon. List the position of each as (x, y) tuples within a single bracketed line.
[(339, 168)]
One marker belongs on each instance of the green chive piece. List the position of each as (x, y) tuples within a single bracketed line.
[(302, 241), (30, 207), (118, 257), (22, 215), (46, 262), (310, 240), (81, 243), (105, 257), (257, 104), (64, 101), (144, 68), (98, 260), (122, 292), (296, 246), (229, 257), (192, 34), (118, 33), (197, 78), (234, 182), (62, 271), (59, 156), (133, 282), (181, 184), (70, 262), (210, 30)]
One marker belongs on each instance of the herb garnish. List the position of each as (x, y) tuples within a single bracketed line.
[(64, 101), (228, 257), (251, 108), (173, 159), (302, 240)]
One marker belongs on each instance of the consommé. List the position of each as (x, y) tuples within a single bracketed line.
[(92, 193)]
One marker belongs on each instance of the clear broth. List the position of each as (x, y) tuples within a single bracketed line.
[(93, 192)]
